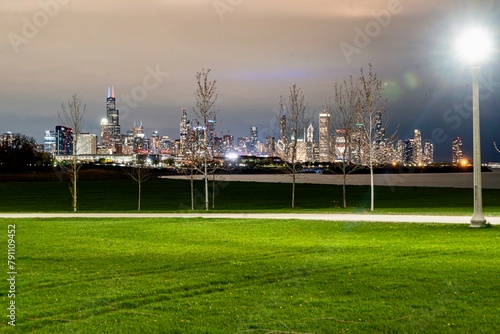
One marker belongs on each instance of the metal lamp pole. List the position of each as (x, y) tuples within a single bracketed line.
[(477, 219)]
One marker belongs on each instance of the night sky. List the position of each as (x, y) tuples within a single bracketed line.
[(150, 51)]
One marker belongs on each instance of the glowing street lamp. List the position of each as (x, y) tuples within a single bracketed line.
[(474, 47)]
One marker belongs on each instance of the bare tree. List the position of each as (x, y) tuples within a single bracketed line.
[(370, 102), (139, 172), (71, 116), (193, 159), (215, 167), (345, 113), (205, 110), (294, 124)]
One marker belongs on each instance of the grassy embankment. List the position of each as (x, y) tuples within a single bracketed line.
[(160, 195), (246, 276)]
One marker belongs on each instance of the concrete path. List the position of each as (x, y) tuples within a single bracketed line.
[(266, 216)]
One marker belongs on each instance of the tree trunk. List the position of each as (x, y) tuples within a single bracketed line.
[(344, 190), (372, 189), (192, 193), (293, 185), (206, 185), (139, 198), (75, 179), (213, 190)]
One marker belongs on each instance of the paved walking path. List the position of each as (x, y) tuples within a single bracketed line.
[(264, 216)]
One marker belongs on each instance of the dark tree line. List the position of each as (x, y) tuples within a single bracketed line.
[(18, 151)]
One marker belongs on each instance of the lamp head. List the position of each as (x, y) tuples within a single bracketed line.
[(474, 46)]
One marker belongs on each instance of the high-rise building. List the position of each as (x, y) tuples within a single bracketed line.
[(310, 133), (400, 151), (105, 139), (270, 145), (301, 150), (138, 130), (140, 143), (283, 134), (324, 137), (409, 151), (199, 135), (340, 146), (86, 143), (281, 147), (254, 138), (184, 129), (417, 144), (428, 157), (227, 142), (310, 143), (456, 148), (211, 133), (379, 129), (49, 142), (64, 140), (165, 145), (154, 143), (113, 116), (218, 146)]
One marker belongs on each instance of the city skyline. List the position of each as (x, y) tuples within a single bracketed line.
[(329, 145), (256, 51)]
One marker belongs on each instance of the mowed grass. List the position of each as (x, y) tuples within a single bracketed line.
[(163, 195), (249, 276)]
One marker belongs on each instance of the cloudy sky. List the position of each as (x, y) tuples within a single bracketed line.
[(150, 51)]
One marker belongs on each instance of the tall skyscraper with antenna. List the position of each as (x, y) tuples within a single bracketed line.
[(184, 129), (113, 116)]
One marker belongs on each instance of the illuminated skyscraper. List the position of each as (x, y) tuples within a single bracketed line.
[(227, 142), (341, 151), (86, 144), (400, 151), (105, 132), (270, 145), (281, 147), (49, 142), (140, 144), (112, 115), (283, 134), (417, 144), (379, 129), (310, 143), (456, 148), (138, 130), (324, 137), (211, 134), (184, 129), (64, 140), (254, 138), (428, 157), (409, 151), (154, 143)]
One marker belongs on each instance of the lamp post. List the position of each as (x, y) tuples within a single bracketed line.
[(477, 219), (474, 47)]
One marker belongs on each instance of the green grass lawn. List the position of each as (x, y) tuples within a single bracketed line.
[(249, 276), (161, 195)]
